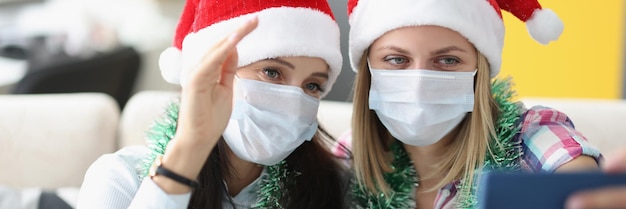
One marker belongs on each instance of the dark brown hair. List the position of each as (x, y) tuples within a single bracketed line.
[(322, 182)]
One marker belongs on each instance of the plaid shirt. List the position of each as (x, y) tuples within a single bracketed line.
[(549, 140)]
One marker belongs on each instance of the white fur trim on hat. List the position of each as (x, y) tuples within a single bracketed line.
[(170, 64), (544, 26), (282, 31), (477, 20)]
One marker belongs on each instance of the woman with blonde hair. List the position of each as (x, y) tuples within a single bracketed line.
[(428, 119)]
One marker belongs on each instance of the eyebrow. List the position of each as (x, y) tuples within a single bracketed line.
[(436, 52), (282, 62), (394, 48), (323, 75), (447, 50)]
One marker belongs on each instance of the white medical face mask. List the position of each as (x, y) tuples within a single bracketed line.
[(269, 121), (419, 107)]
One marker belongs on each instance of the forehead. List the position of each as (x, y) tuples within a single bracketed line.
[(422, 37)]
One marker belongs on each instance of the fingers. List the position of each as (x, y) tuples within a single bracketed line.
[(222, 52), (242, 32), (610, 197), (228, 71), (616, 163), (229, 67)]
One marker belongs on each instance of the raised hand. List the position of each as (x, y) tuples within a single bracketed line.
[(206, 105), (206, 101)]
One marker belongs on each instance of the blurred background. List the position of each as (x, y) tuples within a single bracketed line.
[(118, 42), (109, 46)]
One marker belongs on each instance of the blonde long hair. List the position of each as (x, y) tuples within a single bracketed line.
[(371, 141)]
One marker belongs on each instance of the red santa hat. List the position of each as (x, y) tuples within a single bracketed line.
[(286, 28), (480, 21)]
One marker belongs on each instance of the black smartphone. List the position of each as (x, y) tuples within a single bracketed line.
[(538, 191)]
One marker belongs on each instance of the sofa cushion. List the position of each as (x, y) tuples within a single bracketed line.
[(49, 140), (335, 117), (140, 112)]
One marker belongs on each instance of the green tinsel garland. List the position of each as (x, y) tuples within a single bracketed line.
[(273, 186), (159, 135), (506, 148), (403, 180)]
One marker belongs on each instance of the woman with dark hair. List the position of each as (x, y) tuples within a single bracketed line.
[(245, 133)]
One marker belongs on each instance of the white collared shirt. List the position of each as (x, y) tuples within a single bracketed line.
[(113, 182)]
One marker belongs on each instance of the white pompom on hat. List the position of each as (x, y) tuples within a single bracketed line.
[(480, 21), (286, 28)]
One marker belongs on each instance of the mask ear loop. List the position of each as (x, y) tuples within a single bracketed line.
[(369, 66)]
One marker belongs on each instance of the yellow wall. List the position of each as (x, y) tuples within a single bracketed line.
[(585, 62)]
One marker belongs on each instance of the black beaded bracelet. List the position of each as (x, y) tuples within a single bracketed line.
[(178, 178), (158, 169)]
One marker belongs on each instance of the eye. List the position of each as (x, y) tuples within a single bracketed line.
[(396, 60), (312, 87), (271, 73), (448, 61)]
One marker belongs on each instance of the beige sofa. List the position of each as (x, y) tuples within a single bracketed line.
[(48, 141)]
